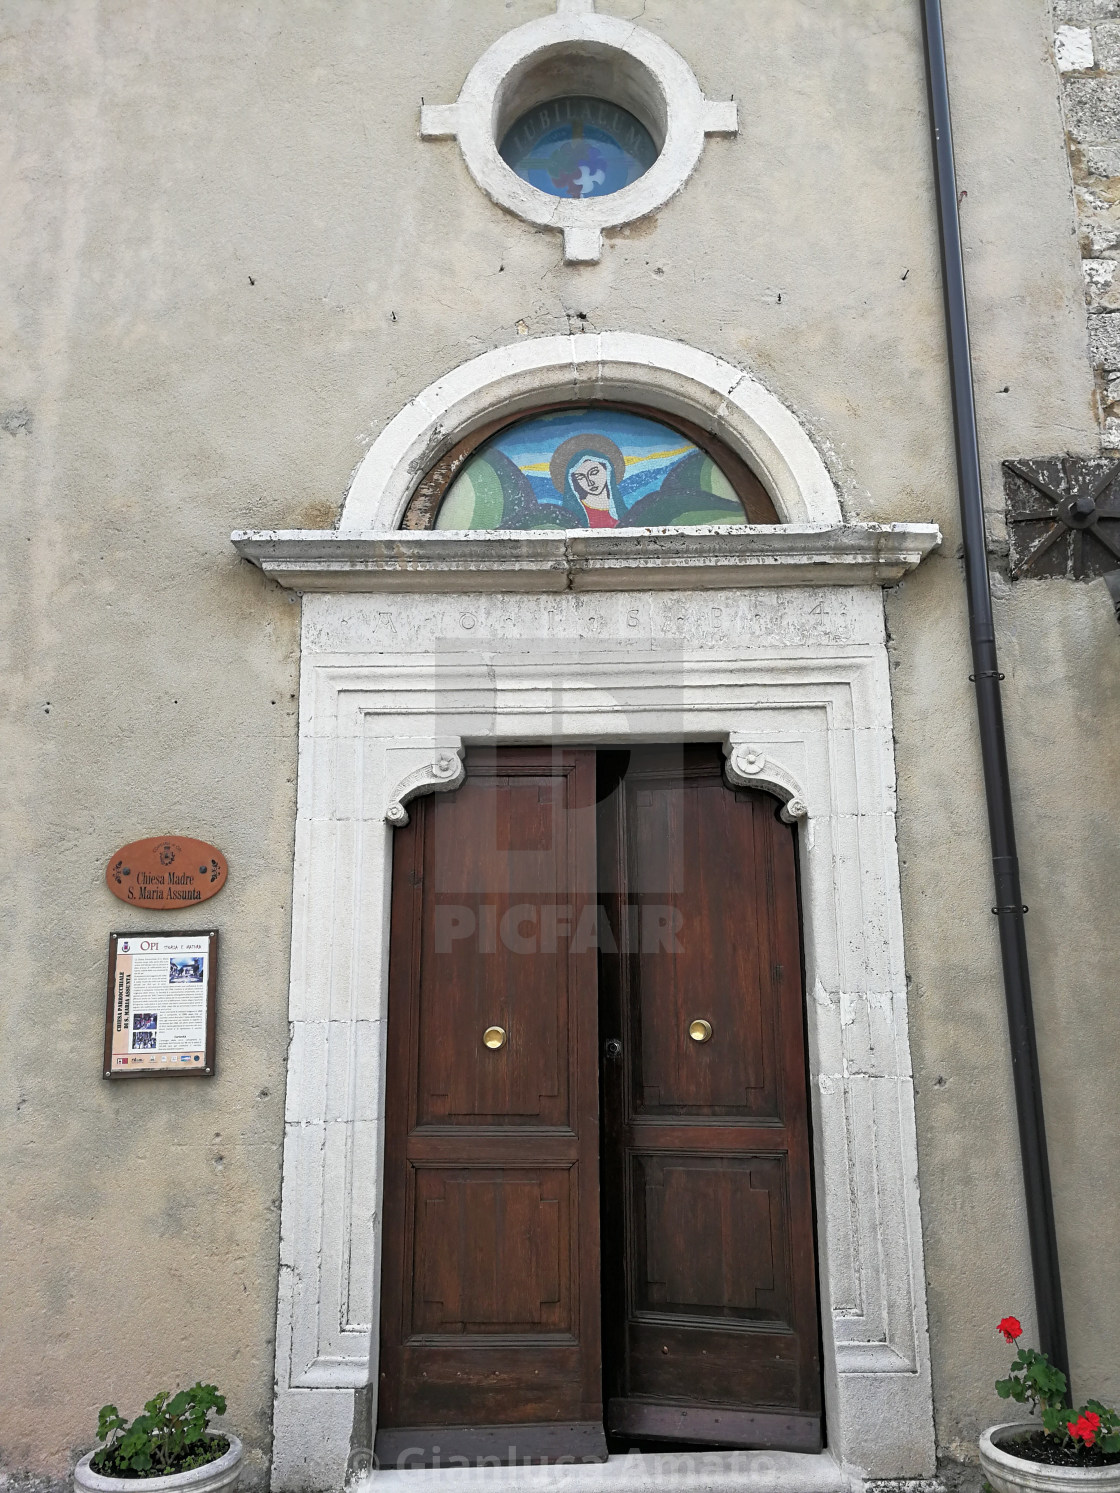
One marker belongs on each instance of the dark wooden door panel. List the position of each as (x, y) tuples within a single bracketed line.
[(687, 849), (737, 1205), (530, 1084), (490, 1311), (514, 1386), (497, 866), (744, 1369), (710, 1299), (491, 1251)]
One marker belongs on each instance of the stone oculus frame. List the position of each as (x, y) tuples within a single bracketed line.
[(578, 52), (769, 639)]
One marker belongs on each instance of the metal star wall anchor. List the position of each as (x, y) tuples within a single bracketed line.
[(1063, 516)]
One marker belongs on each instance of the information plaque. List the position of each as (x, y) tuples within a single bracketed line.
[(160, 1009)]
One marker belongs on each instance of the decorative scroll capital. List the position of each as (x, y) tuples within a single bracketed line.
[(748, 766), (444, 772)]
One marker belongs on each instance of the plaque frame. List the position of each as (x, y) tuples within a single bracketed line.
[(207, 1067)]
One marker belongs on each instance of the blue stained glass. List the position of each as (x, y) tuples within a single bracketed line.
[(578, 147)]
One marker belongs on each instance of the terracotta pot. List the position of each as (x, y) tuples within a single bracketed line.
[(1010, 1474), (216, 1477)]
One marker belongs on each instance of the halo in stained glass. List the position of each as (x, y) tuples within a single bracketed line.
[(589, 468), (578, 147)]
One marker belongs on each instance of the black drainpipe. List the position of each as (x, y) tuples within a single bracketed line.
[(993, 747)]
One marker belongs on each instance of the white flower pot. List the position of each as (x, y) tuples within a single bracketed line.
[(216, 1477), (1011, 1474)]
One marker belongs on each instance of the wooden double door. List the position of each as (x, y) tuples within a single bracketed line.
[(597, 1224)]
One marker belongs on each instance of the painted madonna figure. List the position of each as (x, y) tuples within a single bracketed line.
[(597, 468), (585, 469)]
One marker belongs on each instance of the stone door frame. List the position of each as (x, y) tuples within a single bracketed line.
[(794, 683), (767, 639)]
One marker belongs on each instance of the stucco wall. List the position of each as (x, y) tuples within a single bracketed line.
[(231, 261)]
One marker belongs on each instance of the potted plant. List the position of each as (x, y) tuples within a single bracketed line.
[(1063, 1449), (168, 1448)]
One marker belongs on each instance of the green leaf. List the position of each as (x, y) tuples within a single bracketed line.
[(109, 1421), (1054, 1419)]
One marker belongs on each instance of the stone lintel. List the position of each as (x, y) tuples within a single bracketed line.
[(673, 559)]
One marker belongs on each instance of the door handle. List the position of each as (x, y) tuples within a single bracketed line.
[(494, 1037), (700, 1031)]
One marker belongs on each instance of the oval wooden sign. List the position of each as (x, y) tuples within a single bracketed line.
[(166, 872)]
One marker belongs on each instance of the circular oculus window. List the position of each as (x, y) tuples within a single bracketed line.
[(580, 122), (578, 147)]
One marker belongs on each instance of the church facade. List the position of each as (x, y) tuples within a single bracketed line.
[(500, 475)]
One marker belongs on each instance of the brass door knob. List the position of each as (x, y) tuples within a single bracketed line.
[(700, 1031), (494, 1037)]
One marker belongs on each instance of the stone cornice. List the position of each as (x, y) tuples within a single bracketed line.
[(672, 559)]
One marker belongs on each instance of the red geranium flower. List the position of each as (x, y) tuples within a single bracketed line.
[(1011, 1328), (1085, 1427)]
